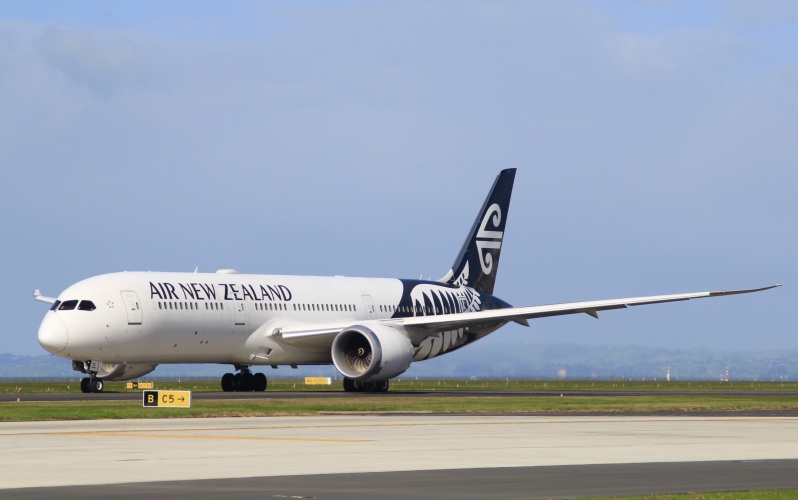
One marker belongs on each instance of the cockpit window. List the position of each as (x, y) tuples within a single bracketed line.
[(86, 305), (68, 305), (55, 305)]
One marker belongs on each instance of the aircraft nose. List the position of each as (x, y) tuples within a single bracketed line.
[(53, 334)]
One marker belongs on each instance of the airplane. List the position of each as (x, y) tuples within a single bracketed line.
[(120, 326)]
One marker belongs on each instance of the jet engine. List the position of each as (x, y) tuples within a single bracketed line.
[(373, 352), (116, 371)]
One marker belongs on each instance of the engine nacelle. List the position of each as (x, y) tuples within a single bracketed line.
[(116, 371), (373, 352)]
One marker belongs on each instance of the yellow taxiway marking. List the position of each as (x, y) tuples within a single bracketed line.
[(456, 423), (184, 436)]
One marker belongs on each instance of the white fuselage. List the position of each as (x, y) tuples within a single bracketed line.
[(148, 317)]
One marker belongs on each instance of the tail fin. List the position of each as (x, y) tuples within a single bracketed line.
[(478, 261)]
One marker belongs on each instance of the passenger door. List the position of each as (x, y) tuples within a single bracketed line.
[(132, 307), (369, 303), (240, 313)]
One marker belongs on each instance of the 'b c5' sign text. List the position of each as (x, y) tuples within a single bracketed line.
[(167, 399)]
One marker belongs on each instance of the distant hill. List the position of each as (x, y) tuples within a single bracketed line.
[(544, 361), (550, 361)]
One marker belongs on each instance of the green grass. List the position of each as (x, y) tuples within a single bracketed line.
[(432, 385), (734, 495), (21, 411), (709, 396)]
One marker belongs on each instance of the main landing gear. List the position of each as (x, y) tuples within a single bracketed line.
[(355, 386), (243, 381)]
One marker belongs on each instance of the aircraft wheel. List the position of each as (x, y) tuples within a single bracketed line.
[(97, 385), (382, 386), (246, 384), (369, 387), (237, 382), (259, 382), (84, 385), (349, 385), (227, 382)]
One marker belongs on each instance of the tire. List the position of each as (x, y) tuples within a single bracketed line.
[(84, 385), (382, 386), (97, 385), (259, 382), (349, 385), (227, 382), (246, 384)]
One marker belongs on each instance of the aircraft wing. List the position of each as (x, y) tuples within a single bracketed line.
[(38, 296), (521, 314), (445, 322)]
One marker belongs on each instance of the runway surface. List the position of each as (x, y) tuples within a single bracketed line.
[(359, 456)]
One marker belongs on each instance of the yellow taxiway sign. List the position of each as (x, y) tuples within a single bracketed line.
[(167, 399)]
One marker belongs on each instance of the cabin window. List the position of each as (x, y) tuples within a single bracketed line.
[(55, 305), (68, 305)]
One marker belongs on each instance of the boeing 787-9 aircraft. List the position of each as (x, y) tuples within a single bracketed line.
[(121, 326)]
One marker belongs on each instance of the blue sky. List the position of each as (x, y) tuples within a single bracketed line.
[(654, 141)]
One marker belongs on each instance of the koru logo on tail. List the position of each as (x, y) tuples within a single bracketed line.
[(489, 240)]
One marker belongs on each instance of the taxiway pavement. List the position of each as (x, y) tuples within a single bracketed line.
[(346, 456)]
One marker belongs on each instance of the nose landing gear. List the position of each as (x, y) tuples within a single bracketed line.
[(91, 384), (243, 381)]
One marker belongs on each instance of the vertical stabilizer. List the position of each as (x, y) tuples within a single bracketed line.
[(478, 261)]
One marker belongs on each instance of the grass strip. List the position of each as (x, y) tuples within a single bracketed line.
[(730, 495), (88, 410), (432, 385)]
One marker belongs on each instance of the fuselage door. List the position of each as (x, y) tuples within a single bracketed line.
[(132, 307), (369, 303), (241, 314)]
